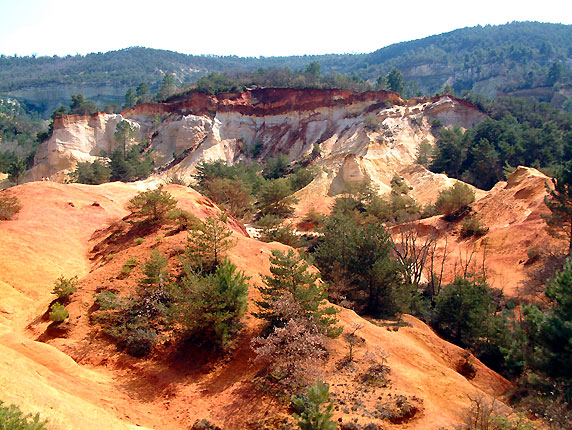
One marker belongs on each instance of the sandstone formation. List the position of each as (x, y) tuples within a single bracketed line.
[(369, 135)]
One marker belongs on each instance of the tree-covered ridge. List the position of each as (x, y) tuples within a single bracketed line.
[(516, 132), (508, 57)]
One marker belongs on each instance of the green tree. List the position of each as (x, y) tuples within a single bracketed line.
[(551, 333), (130, 99), (168, 87), (16, 170), (152, 205), (395, 81), (80, 106), (91, 173), (143, 93), (559, 201), (462, 310), (289, 274), (453, 201), (359, 263), (276, 167), (124, 135), (315, 408), (211, 306), (275, 198), (450, 151), (208, 243)]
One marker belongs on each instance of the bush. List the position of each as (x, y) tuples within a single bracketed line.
[(210, 307), (315, 408), (372, 123), (453, 201), (58, 313), (471, 226), (140, 342), (12, 418), (9, 206), (129, 265), (152, 205), (293, 353), (183, 219), (108, 300), (64, 288), (90, 173), (139, 240)]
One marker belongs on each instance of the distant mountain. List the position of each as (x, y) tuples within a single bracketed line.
[(521, 58)]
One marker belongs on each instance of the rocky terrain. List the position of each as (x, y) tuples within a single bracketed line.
[(77, 379), (360, 136)]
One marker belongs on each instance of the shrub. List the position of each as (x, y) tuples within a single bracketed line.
[(471, 226), (183, 219), (208, 242), (152, 205), (372, 123), (139, 240), (58, 313), (210, 307), (140, 341), (9, 206), (129, 265), (315, 408), (291, 278), (453, 201), (90, 173), (12, 418), (108, 300), (275, 198), (64, 288), (293, 353)]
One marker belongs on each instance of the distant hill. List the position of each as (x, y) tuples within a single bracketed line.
[(520, 58)]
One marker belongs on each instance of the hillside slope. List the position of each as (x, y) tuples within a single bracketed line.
[(102, 385), (515, 57)]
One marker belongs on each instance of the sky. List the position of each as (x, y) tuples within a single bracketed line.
[(249, 28)]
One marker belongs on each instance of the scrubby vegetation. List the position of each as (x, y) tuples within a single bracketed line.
[(58, 313), (64, 288), (12, 418), (152, 206), (202, 303), (9, 207)]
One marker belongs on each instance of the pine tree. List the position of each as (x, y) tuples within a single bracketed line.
[(315, 411), (208, 243), (124, 134), (290, 275), (210, 306), (559, 201), (152, 205)]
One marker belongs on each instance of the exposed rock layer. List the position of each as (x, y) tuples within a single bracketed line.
[(360, 136)]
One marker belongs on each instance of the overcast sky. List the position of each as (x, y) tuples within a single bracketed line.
[(248, 28)]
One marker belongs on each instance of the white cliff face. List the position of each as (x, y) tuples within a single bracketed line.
[(349, 150), (83, 138)]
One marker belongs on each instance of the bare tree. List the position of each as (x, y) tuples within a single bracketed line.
[(412, 251)]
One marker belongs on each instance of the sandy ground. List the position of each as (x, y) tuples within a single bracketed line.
[(80, 381)]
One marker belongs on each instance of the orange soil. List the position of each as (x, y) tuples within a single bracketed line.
[(81, 381)]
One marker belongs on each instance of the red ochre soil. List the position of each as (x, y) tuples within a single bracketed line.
[(80, 381)]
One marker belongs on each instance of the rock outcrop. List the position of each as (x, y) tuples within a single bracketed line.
[(360, 136)]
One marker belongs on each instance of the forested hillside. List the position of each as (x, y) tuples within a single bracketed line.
[(531, 59)]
